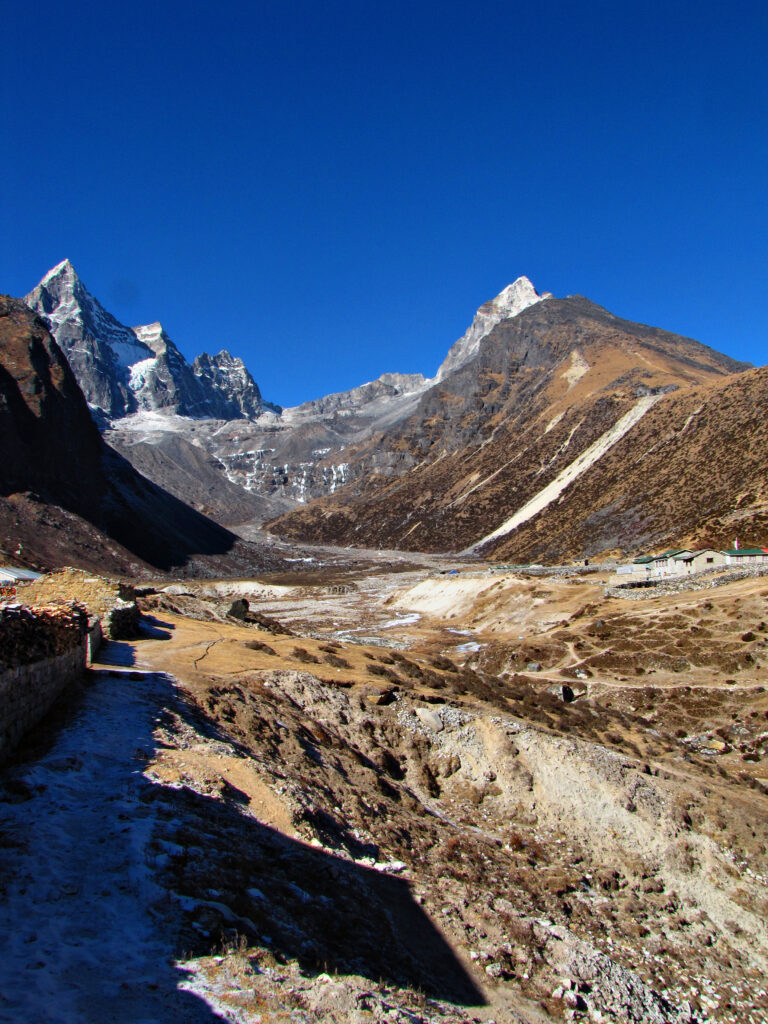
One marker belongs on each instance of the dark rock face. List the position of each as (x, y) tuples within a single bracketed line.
[(123, 370), (48, 441), (231, 392), (64, 494)]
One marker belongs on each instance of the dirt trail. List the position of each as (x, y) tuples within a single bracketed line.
[(82, 939)]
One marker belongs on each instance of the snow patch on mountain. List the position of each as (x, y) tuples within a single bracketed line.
[(572, 472), (140, 373)]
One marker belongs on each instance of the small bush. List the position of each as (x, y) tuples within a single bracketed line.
[(336, 661), (302, 655), (257, 645)]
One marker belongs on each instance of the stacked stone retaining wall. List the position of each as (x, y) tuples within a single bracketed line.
[(42, 651)]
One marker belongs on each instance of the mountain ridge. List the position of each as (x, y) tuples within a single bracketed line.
[(66, 494), (534, 393), (542, 389)]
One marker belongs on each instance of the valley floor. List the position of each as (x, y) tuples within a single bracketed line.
[(369, 800)]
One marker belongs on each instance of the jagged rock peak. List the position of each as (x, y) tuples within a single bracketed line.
[(227, 377), (123, 370), (513, 299), (508, 303), (61, 270)]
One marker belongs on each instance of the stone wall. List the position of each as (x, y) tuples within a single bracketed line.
[(42, 651), (97, 593), (718, 576), (113, 601)]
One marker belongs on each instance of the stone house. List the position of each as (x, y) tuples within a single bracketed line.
[(684, 562), (746, 556)]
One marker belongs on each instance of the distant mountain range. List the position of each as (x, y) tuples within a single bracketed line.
[(528, 408)]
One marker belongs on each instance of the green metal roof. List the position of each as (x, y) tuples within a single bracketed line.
[(745, 551)]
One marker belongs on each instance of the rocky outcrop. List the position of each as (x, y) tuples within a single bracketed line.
[(599, 985), (230, 390)]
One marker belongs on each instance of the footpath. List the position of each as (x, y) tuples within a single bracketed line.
[(86, 931)]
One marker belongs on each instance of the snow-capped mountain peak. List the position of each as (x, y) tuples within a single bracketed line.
[(123, 370), (508, 303)]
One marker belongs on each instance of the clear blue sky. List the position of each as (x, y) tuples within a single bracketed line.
[(330, 188)]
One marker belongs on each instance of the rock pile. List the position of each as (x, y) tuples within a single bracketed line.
[(33, 634), (112, 601)]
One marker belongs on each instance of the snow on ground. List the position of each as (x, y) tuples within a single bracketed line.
[(401, 620), (153, 420), (81, 942)]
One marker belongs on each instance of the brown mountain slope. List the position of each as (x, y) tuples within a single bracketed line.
[(66, 496), (693, 472), (546, 390), (549, 358)]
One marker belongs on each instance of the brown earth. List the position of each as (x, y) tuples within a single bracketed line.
[(432, 833)]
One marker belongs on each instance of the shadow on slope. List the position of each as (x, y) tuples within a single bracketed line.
[(111, 880), (51, 451), (325, 912), (153, 524)]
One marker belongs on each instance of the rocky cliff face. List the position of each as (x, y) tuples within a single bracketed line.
[(123, 370), (508, 303), (48, 441), (231, 392)]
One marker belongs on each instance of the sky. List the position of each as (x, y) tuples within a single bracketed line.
[(329, 189)]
